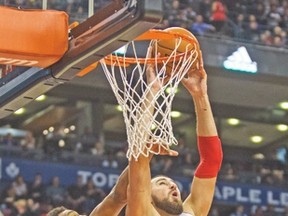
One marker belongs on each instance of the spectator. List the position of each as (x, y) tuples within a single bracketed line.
[(239, 211), (260, 13), (218, 15), (240, 26), (29, 141), (270, 211), (258, 211), (214, 211), (201, 28), (76, 195), (93, 196), (205, 10), (9, 140), (229, 173), (20, 187), (273, 17), (8, 197), (56, 194), (98, 149), (266, 38), (37, 189), (252, 29)]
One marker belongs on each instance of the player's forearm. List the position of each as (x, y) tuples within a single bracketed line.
[(204, 116), (108, 207), (139, 173), (209, 145), (119, 191), (139, 190), (115, 200)]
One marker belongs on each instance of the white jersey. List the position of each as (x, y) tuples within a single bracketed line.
[(185, 214)]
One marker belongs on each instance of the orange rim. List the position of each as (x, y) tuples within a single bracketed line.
[(150, 35)]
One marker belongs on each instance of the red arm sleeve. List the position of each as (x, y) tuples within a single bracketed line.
[(211, 156)]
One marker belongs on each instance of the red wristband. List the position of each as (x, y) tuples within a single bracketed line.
[(211, 156)]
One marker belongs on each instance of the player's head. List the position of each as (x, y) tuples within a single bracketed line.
[(166, 195), (62, 211)]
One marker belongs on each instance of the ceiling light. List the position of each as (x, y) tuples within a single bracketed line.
[(119, 108), (61, 143), (169, 89), (19, 111), (45, 132), (41, 98), (233, 121), (256, 139), (284, 105), (282, 127), (175, 114), (66, 130), (259, 156), (72, 127), (51, 129)]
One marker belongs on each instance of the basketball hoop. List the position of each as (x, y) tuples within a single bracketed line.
[(126, 73)]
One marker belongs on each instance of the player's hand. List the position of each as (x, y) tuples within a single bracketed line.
[(162, 150), (151, 74), (196, 79)]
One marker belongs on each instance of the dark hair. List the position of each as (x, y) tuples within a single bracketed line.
[(56, 211)]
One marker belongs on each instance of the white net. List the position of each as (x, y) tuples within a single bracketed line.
[(148, 121)]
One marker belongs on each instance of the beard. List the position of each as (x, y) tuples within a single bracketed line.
[(174, 208)]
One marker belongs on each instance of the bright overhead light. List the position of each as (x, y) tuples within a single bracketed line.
[(51, 129), (41, 98), (256, 139), (282, 127), (284, 105), (61, 143), (119, 108), (66, 130), (72, 127), (169, 89), (233, 121), (19, 111), (259, 156), (175, 114)]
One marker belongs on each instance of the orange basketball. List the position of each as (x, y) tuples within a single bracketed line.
[(166, 47)]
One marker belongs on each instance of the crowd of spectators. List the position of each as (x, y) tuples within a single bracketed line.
[(257, 21), (35, 198), (68, 147)]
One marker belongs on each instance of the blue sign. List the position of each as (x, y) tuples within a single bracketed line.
[(228, 193)]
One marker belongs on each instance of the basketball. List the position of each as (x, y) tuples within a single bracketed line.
[(166, 47)]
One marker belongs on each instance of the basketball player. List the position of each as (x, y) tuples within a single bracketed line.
[(62, 211), (110, 206), (161, 196), (115, 201)]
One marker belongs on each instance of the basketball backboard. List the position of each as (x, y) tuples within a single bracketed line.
[(108, 29)]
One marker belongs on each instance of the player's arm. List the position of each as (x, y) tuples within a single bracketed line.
[(139, 188), (209, 146), (115, 201)]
